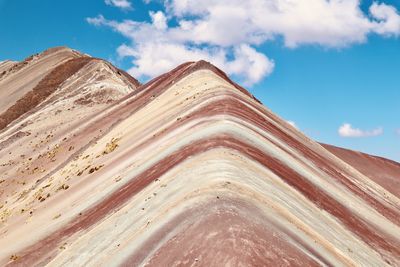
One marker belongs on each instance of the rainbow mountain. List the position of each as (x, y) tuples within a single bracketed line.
[(189, 169)]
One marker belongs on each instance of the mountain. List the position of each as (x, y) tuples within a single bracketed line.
[(188, 169), (382, 171)]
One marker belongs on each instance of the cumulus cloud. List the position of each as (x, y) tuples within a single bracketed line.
[(333, 23), (388, 19), (123, 4), (156, 48), (347, 130), (159, 20), (229, 32)]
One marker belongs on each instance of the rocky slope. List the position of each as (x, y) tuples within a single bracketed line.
[(188, 169)]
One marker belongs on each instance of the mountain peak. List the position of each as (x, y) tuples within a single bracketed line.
[(58, 49), (28, 83)]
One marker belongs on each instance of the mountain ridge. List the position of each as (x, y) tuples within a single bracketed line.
[(176, 171)]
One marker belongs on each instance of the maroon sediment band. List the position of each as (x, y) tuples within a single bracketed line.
[(187, 236), (44, 250)]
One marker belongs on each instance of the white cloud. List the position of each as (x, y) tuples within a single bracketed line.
[(153, 58), (346, 130), (123, 4), (156, 49), (229, 32), (249, 63), (398, 131), (159, 20), (332, 23), (388, 19)]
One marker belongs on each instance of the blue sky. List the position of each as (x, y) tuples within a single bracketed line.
[(317, 64)]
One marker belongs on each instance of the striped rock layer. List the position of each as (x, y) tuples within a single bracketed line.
[(186, 170)]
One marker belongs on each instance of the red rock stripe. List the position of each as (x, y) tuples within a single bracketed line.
[(159, 85), (130, 104), (232, 105), (90, 134), (44, 250), (222, 203)]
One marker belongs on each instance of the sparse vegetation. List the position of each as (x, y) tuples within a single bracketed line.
[(94, 169), (13, 257), (63, 246), (111, 146), (63, 187)]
